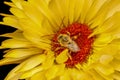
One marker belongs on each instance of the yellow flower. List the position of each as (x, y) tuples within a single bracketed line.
[(63, 40)]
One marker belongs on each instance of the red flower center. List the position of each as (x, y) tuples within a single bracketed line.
[(75, 38)]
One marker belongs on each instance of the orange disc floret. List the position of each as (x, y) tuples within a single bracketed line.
[(78, 33)]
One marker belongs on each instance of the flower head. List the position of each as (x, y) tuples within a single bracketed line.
[(63, 39)]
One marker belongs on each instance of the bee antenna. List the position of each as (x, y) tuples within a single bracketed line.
[(62, 23)]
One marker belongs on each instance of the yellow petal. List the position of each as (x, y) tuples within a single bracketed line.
[(105, 59), (78, 8), (11, 21), (105, 77), (38, 76), (16, 77), (6, 15), (13, 43), (65, 76), (110, 49), (103, 39), (43, 8), (78, 66), (12, 74), (51, 73), (95, 75), (117, 56), (61, 69), (56, 7), (115, 7), (6, 61), (17, 53), (85, 8), (104, 13), (71, 11), (94, 9), (30, 26), (105, 69), (116, 75), (111, 24), (15, 35), (116, 64), (32, 62), (31, 72), (49, 60), (30, 12), (76, 74), (62, 57), (18, 12), (9, 3), (36, 39), (18, 3)]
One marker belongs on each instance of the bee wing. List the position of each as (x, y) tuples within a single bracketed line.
[(73, 46)]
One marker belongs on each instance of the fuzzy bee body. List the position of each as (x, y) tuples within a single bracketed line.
[(67, 42)]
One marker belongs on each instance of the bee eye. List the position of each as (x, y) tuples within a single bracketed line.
[(60, 37), (65, 39), (69, 43)]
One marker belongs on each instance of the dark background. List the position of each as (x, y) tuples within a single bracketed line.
[(4, 29)]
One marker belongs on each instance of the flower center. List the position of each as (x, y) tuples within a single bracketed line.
[(74, 37)]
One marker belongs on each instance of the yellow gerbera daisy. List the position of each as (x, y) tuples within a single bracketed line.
[(63, 40)]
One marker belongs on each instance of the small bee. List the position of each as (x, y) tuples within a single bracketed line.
[(65, 41)]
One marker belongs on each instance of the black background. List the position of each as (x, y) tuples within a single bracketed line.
[(4, 29)]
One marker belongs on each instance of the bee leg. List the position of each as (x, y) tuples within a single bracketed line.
[(75, 36), (69, 56), (59, 48), (68, 33)]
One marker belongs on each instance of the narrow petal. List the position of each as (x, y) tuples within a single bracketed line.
[(7, 61), (78, 9), (110, 49), (39, 75), (103, 39), (111, 24), (103, 13), (105, 59), (35, 60), (105, 69), (31, 72), (17, 53), (76, 74), (71, 11), (96, 5), (95, 75), (44, 9), (9, 3), (85, 8), (18, 12), (49, 60), (52, 72), (18, 3), (43, 43), (15, 35), (56, 7), (13, 43), (11, 21), (65, 76), (12, 74), (116, 64), (116, 75)]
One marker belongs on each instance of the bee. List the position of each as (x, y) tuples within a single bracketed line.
[(66, 41)]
